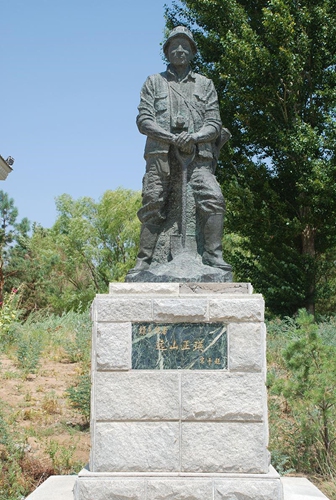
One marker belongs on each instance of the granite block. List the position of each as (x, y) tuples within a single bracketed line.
[(137, 396), (144, 288), (223, 396), (246, 347), (215, 288), (136, 447), (176, 310), (179, 489), (248, 308), (224, 447), (114, 346), (111, 489), (248, 489), (123, 309)]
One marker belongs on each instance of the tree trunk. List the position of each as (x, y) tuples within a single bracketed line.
[(308, 248)]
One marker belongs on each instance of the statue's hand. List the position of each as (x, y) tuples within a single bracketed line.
[(185, 142)]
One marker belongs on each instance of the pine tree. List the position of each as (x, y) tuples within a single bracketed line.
[(12, 241)]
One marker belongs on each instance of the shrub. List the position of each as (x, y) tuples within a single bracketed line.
[(302, 391), (9, 315)]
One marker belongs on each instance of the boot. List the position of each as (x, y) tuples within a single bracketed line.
[(148, 238), (212, 232)]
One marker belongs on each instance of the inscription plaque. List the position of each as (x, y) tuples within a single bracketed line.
[(187, 346)]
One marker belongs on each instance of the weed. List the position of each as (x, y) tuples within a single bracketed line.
[(13, 485), (10, 375), (50, 404), (28, 354), (28, 397), (79, 395), (62, 457)]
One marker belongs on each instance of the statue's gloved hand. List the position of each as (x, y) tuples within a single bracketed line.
[(185, 142)]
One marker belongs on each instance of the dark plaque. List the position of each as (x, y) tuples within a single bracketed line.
[(186, 346)]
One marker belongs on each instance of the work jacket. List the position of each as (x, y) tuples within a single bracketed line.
[(163, 98)]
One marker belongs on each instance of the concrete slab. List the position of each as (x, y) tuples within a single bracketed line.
[(299, 488), (60, 488), (55, 488)]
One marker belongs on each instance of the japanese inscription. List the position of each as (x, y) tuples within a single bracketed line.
[(186, 346)]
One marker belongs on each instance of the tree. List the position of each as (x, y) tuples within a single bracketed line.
[(273, 64), (90, 244), (13, 242)]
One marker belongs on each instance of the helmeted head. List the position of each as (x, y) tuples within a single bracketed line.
[(181, 32)]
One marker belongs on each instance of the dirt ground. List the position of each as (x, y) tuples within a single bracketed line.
[(49, 429)]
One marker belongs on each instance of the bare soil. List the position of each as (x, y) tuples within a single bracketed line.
[(50, 430)]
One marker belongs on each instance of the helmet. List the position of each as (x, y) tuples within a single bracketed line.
[(180, 31)]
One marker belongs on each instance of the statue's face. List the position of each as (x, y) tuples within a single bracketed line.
[(180, 52)]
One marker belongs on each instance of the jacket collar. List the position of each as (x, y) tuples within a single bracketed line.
[(172, 76)]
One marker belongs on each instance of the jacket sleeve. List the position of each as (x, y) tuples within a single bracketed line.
[(146, 119), (212, 124)]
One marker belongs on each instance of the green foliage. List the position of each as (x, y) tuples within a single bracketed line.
[(90, 244), (77, 346), (273, 64), (13, 237), (79, 395), (12, 484), (303, 388), (9, 315), (28, 353), (62, 458)]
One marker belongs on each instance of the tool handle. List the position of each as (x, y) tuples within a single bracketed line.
[(185, 162)]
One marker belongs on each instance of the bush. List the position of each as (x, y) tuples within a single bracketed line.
[(9, 315), (302, 391)]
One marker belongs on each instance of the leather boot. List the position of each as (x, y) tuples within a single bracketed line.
[(212, 232), (148, 238)]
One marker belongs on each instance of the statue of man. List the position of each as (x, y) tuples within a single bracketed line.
[(179, 113)]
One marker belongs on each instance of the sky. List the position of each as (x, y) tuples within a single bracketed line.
[(70, 78)]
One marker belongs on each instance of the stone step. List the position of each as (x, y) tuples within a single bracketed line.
[(60, 488)]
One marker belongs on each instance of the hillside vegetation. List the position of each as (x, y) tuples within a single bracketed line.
[(48, 278)]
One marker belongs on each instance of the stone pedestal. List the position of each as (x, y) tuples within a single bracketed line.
[(194, 425)]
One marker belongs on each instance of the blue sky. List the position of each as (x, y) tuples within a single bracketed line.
[(71, 73)]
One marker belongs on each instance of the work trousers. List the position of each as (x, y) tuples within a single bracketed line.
[(156, 188)]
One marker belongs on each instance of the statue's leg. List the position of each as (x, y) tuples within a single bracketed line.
[(148, 238), (212, 232), (211, 207), (151, 214)]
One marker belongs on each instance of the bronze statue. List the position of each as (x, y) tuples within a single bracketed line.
[(183, 206)]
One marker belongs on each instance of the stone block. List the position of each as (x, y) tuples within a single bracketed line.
[(177, 489), (223, 396), (246, 347), (224, 447), (137, 395), (215, 288), (136, 447), (175, 310), (248, 489), (249, 308), (144, 288), (114, 346), (111, 489), (123, 309)]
